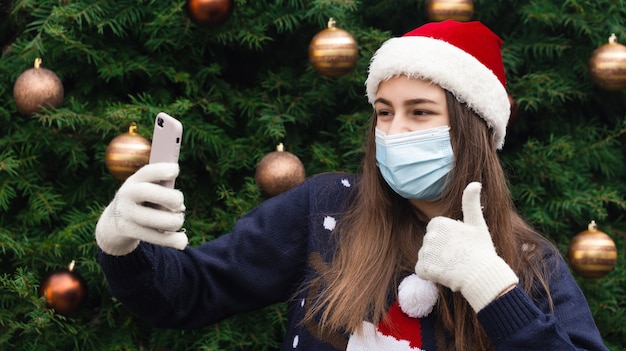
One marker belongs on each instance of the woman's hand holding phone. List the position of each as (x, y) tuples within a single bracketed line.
[(143, 209)]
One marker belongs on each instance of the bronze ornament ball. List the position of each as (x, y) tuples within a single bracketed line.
[(64, 290), (36, 88), (607, 65), (126, 153), (279, 171), (209, 13), (592, 254), (333, 52), (458, 10)]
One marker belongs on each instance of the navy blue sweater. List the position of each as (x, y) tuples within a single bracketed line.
[(285, 240)]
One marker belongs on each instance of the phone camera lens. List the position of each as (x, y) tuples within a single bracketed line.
[(160, 122)]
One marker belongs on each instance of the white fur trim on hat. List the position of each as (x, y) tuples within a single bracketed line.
[(449, 67), (417, 297)]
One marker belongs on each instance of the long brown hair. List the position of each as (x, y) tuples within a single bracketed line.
[(380, 235)]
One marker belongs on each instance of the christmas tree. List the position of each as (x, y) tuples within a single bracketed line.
[(241, 87)]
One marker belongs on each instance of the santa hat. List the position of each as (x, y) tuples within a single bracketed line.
[(464, 58), (402, 330)]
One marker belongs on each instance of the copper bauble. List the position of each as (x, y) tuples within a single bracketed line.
[(458, 10), (209, 13), (36, 88), (333, 52), (592, 254), (278, 172), (65, 291), (607, 65), (126, 153)]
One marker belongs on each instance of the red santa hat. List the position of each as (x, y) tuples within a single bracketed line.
[(464, 58), (402, 330)]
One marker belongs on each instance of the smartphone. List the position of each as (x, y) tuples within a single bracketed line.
[(166, 140)]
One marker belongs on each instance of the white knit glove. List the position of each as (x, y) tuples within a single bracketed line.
[(143, 210), (462, 257)]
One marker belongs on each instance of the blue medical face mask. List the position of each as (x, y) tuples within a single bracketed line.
[(415, 164)]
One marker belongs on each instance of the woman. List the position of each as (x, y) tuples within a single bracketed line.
[(342, 249)]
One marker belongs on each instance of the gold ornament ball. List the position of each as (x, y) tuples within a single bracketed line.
[(126, 153), (278, 172), (36, 88), (333, 52), (607, 65), (209, 13), (65, 291), (592, 254), (458, 10)]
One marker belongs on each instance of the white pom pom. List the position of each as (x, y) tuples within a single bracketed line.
[(417, 297)]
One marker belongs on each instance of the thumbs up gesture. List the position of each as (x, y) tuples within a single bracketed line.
[(462, 257)]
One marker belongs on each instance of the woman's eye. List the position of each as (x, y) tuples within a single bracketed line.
[(420, 112), (383, 113)]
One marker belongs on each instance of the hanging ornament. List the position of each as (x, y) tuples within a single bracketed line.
[(36, 88), (592, 254), (458, 10), (65, 291), (126, 153), (607, 65), (333, 52), (209, 13), (278, 172)]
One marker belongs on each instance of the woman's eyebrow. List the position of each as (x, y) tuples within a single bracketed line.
[(382, 101), (406, 103), (418, 101)]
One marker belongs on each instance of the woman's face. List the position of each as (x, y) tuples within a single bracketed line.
[(406, 105)]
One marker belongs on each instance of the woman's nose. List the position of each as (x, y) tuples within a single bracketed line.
[(399, 125)]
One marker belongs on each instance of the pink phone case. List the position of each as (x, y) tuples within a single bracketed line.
[(166, 140)]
